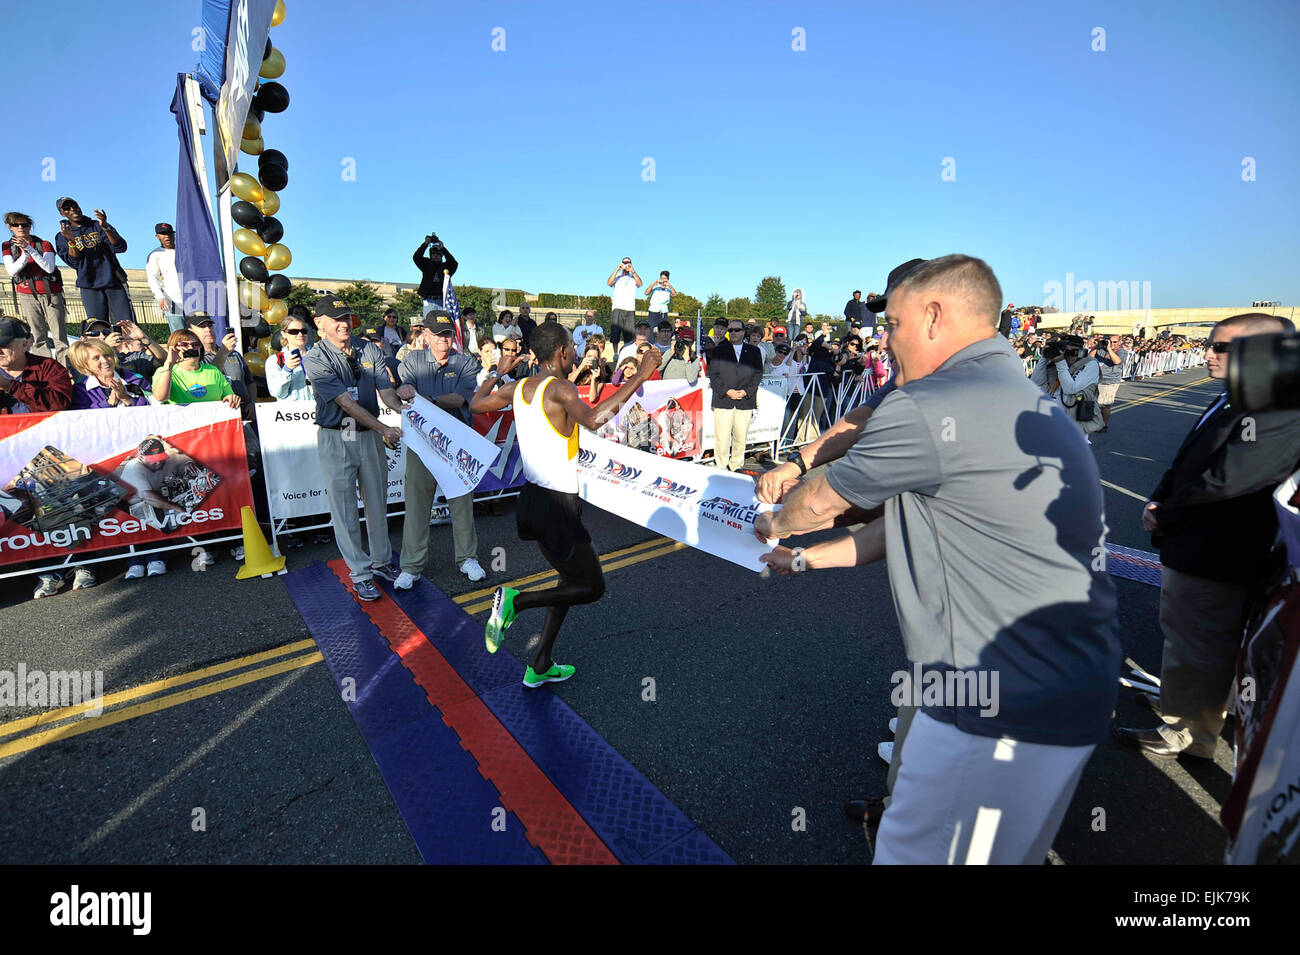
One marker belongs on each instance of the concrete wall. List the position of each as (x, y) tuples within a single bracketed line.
[(1180, 321)]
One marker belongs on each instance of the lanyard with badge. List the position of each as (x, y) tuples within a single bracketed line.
[(354, 366)]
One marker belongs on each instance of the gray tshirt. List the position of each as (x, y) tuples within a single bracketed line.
[(331, 374), (1113, 374), (995, 535)]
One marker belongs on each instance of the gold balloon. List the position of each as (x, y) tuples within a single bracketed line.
[(252, 146), (277, 15), (246, 187), (275, 311), (252, 128), (252, 296), (270, 203), (249, 242), (264, 347), (256, 363), (273, 65), (278, 257)]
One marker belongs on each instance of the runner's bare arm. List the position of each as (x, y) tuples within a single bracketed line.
[(487, 400), (563, 397)]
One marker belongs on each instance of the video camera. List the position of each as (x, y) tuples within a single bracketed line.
[(435, 244), (1264, 372)]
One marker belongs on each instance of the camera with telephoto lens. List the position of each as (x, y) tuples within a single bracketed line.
[(1052, 350), (1264, 372), (680, 348), (435, 244)]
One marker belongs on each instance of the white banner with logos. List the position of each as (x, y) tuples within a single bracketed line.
[(709, 509), (456, 455), (295, 484)]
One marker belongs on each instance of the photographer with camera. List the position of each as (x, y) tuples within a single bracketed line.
[(1070, 374), (1110, 359), (431, 267), (591, 374), (680, 360), (622, 316), (1213, 520)]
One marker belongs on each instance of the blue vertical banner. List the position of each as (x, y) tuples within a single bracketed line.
[(248, 25), (198, 252)]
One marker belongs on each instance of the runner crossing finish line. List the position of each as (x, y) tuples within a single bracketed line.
[(548, 412)]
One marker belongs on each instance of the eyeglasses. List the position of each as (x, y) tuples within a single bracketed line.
[(295, 331), (1220, 347), (730, 330), (94, 334)]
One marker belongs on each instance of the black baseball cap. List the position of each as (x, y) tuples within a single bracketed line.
[(370, 332), (329, 306), (91, 323), (163, 228), (439, 322), (896, 279), (199, 318), (782, 348), (10, 329)]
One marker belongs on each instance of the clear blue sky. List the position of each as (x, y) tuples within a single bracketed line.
[(820, 166)]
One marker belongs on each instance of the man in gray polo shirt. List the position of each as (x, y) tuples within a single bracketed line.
[(350, 440), (994, 528), (448, 380)]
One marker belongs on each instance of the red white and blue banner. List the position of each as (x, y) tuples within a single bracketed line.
[(704, 507), (73, 482), (456, 455)]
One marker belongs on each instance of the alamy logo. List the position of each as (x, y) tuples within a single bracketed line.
[(24, 687), (103, 908), (946, 688), (672, 487), (622, 471)]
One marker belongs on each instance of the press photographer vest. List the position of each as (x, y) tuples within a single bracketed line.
[(32, 279), (1078, 403)]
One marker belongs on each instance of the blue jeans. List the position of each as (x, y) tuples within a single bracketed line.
[(175, 320), (100, 301)]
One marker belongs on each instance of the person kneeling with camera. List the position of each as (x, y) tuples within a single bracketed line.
[(1072, 375)]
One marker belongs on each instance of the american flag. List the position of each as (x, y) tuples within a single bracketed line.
[(453, 309)]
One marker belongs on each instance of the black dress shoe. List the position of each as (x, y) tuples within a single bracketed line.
[(1150, 742), (865, 810)]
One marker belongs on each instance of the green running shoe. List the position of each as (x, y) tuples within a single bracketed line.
[(503, 615), (558, 673)]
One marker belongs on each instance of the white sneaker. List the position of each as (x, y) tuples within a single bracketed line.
[(135, 572), (885, 751), (237, 552), (157, 568), (83, 577), (207, 559), (472, 570), (404, 581), (893, 726)]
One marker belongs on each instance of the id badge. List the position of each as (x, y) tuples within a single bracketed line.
[(354, 393)]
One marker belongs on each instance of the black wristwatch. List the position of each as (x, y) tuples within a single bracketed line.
[(797, 458)]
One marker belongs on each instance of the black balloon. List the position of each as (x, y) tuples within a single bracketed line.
[(272, 97), (246, 214), (271, 231), (272, 157), (269, 48), (279, 287), (273, 177), (256, 112), (253, 268)]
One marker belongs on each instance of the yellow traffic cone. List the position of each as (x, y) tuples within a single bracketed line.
[(258, 559)]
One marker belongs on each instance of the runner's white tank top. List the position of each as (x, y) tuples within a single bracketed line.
[(549, 458)]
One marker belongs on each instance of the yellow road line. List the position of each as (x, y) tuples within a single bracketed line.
[(145, 689), (1164, 394), (45, 737), (647, 550), (614, 565), (531, 578)]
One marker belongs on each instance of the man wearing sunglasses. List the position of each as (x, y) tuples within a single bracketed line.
[(1213, 520), (29, 260), (735, 372)]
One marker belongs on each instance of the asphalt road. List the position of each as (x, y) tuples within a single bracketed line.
[(771, 696)]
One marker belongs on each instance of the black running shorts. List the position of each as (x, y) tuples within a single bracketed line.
[(552, 518)]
